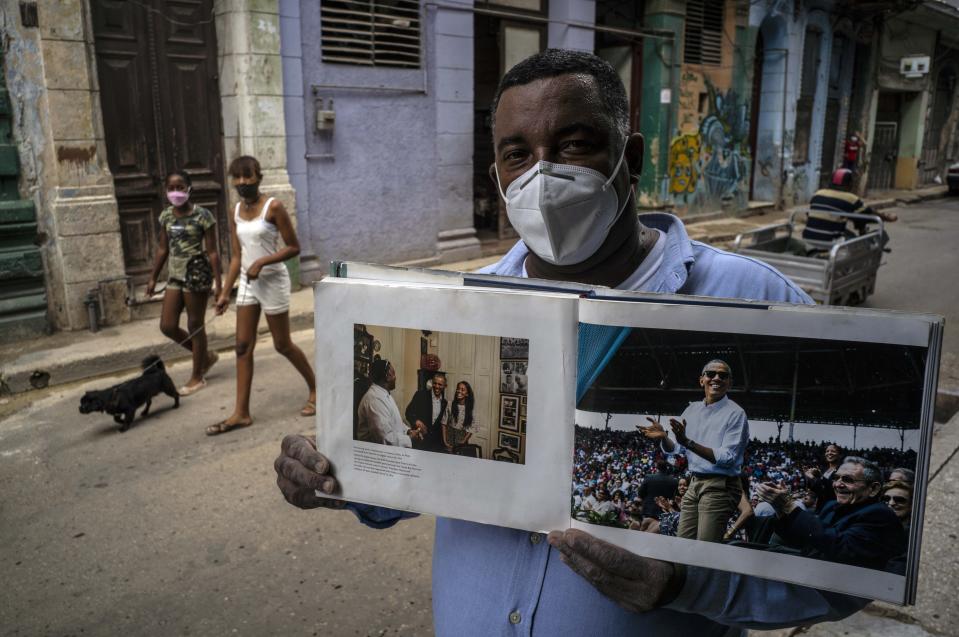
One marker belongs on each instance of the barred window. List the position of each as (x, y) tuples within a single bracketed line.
[(371, 32), (703, 38)]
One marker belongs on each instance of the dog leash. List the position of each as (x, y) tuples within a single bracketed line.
[(202, 327)]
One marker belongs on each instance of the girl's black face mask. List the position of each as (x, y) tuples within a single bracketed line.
[(248, 191)]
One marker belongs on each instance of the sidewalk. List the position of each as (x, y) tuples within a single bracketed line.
[(65, 357)]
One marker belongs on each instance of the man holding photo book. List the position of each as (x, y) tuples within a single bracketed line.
[(713, 434), (566, 165)]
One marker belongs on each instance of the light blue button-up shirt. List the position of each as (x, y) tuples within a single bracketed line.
[(490, 580), (722, 427)]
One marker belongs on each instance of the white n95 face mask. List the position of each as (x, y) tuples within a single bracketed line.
[(563, 213)]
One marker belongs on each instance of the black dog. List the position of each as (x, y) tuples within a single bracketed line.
[(124, 399)]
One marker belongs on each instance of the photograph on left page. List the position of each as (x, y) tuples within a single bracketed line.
[(442, 392)]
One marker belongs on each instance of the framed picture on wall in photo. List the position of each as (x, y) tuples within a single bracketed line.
[(510, 404), (522, 409), (513, 347), (522, 423), (509, 441), (509, 423)]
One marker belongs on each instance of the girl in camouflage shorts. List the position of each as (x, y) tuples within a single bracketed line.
[(185, 230)]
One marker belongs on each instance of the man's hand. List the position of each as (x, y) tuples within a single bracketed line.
[(420, 429), (151, 287), (665, 504), (812, 473), (301, 470), (636, 583), (679, 430), (776, 496), (655, 431)]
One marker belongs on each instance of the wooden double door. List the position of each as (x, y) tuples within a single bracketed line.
[(159, 93)]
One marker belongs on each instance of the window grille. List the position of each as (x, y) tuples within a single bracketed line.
[(703, 38), (371, 32)]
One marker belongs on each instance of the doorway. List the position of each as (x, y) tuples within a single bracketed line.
[(830, 136), (159, 92), (757, 92), (885, 143), (498, 44)]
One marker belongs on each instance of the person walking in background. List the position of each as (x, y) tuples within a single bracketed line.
[(187, 244), (459, 426), (257, 261)]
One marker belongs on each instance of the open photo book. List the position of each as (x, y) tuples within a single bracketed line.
[(781, 441)]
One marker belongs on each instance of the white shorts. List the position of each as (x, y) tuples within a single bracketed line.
[(270, 290)]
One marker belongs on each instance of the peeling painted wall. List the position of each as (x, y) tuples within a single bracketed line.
[(709, 163)]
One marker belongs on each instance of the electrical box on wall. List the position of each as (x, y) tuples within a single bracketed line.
[(914, 66), (325, 115)]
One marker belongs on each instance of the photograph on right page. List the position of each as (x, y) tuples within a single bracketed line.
[(787, 446)]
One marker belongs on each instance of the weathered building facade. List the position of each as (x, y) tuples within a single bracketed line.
[(376, 115), (109, 97)]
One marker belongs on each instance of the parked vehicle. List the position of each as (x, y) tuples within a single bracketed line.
[(843, 274), (952, 179)]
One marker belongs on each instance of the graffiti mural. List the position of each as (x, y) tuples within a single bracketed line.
[(710, 168), (684, 164)]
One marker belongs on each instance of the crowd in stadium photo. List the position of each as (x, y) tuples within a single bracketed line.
[(624, 479)]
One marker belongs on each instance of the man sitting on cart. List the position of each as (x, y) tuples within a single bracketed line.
[(827, 222)]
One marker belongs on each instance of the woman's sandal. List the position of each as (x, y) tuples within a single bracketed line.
[(223, 426), (309, 409)]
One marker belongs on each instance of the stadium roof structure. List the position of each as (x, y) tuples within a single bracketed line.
[(775, 378)]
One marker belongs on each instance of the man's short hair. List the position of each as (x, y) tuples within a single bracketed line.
[(870, 470), (378, 370), (556, 62), (717, 361)]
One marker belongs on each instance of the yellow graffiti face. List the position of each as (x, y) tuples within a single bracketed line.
[(683, 164)]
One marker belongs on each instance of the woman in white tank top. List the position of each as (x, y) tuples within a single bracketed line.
[(257, 226)]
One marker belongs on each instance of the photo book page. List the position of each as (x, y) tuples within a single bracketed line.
[(786, 442), (447, 400), (803, 441)]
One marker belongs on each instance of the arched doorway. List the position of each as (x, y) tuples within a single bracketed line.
[(768, 106), (754, 106)]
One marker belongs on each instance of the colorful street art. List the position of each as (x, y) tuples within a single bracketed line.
[(710, 168), (684, 164)]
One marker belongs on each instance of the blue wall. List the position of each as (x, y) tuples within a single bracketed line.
[(376, 199)]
